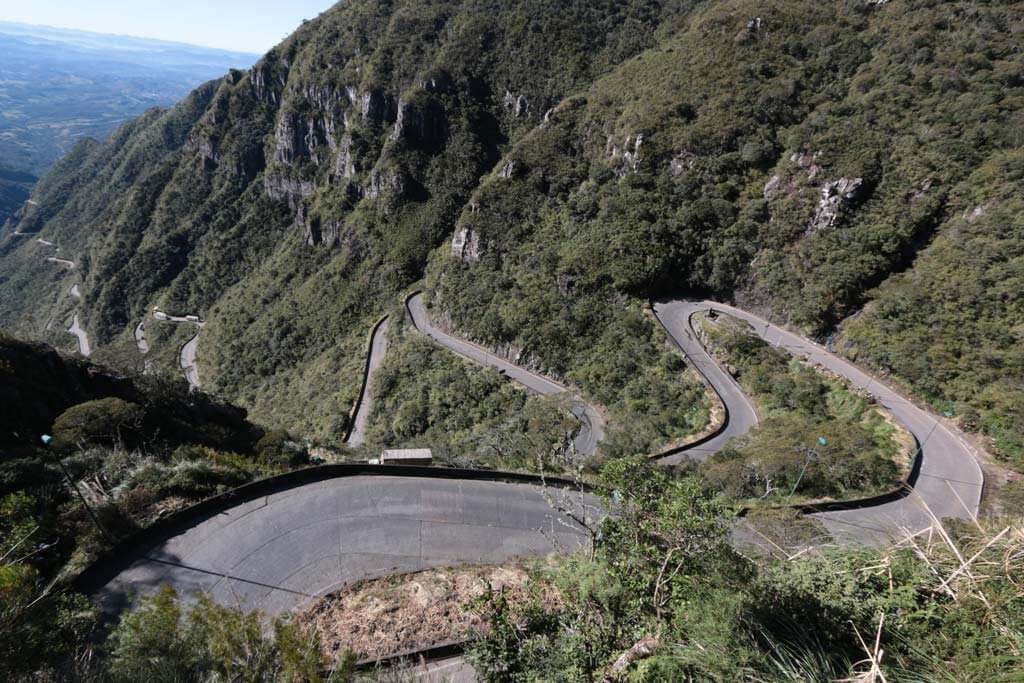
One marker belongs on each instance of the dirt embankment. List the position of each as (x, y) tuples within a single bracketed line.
[(410, 612)]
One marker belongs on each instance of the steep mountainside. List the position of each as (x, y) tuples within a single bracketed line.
[(15, 187), (550, 166)]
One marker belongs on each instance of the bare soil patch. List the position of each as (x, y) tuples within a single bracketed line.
[(410, 612)]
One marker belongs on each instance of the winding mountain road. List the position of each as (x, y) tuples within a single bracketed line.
[(140, 337), (188, 360), (676, 317), (378, 349), (592, 422), (278, 551), (70, 265), (188, 355), (84, 347), (949, 482)]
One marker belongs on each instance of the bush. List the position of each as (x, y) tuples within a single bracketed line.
[(158, 641), (103, 421), (277, 449)]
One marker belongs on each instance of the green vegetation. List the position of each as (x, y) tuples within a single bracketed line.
[(82, 404), (818, 440), (701, 164), (426, 396), (850, 167), (952, 328), (105, 420), (791, 154), (212, 207), (665, 597), (160, 642), (135, 450)]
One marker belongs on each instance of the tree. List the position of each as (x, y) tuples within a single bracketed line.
[(106, 421)]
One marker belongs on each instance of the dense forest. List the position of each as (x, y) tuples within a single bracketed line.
[(544, 170)]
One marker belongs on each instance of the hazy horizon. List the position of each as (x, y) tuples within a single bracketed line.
[(231, 25)]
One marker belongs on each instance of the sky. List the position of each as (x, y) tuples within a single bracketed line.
[(240, 25)]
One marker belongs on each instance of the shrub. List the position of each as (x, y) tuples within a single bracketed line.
[(103, 421)]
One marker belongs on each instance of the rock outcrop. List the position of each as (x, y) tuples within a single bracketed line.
[(420, 122), (625, 159), (345, 163), (836, 196), (384, 183), (682, 163), (373, 105), (466, 245), (283, 188), (516, 105)]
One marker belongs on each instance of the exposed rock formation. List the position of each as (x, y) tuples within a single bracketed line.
[(835, 197), (374, 105), (420, 122), (466, 245), (282, 188), (627, 158), (345, 165), (264, 85), (516, 105), (681, 163), (383, 183), (920, 191), (791, 182), (808, 163), (206, 148), (316, 232), (299, 137)]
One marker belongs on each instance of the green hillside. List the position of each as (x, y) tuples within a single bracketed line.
[(549, 168)]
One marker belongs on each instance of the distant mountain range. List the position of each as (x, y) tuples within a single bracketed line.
[(58, 86)]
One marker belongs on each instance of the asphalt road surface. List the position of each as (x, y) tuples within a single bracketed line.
[(188, 357), (277, 552), (378, 349), (189, 362), (70, 265), (140, 338), (592, 422), (950, 480), (76, 329), (741, 417)]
